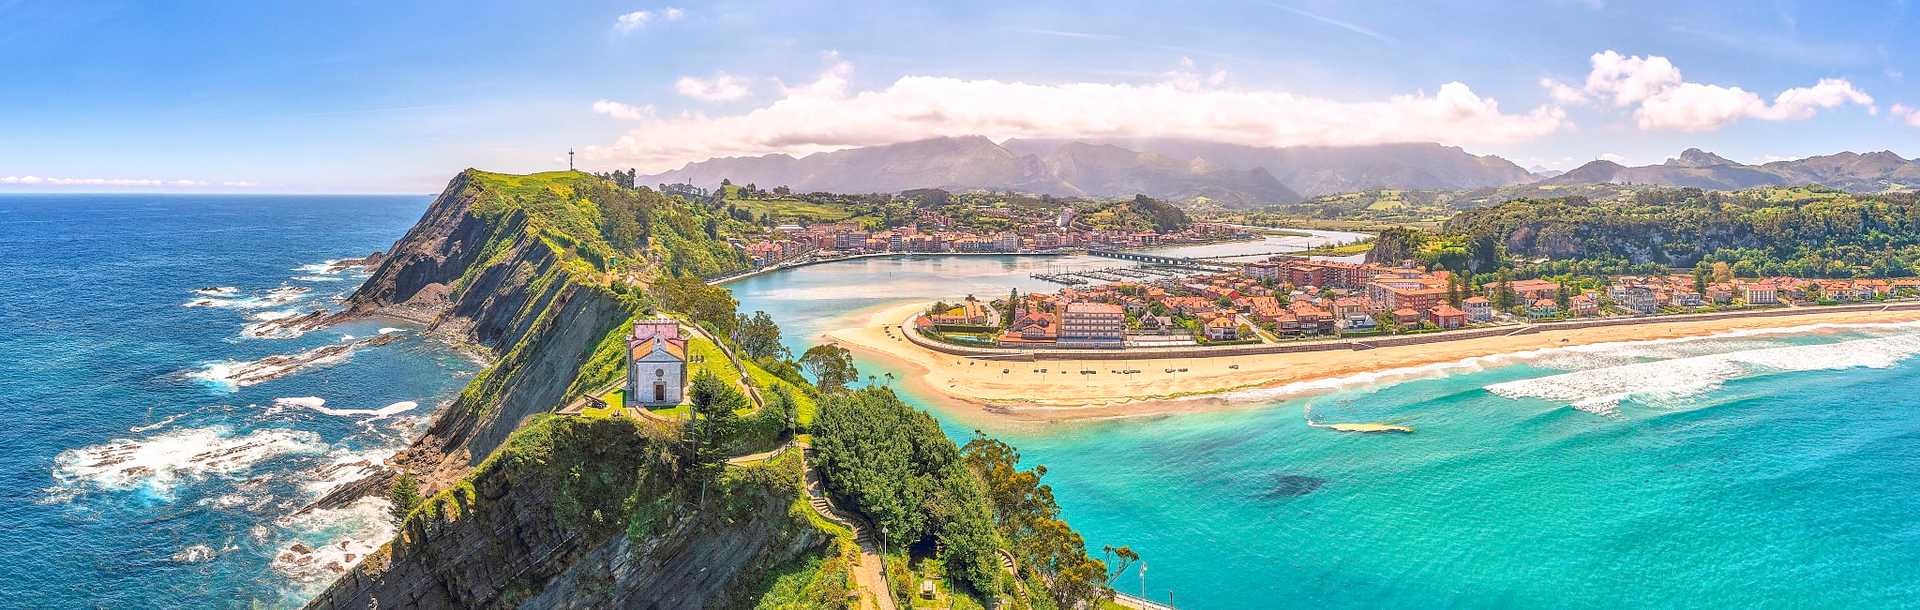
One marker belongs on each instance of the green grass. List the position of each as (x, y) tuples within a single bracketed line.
[(804, 405), (793, 209)]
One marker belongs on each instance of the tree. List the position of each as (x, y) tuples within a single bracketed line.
[(1013, 303), (405, 496), (713, 420), (1453, 289), (1563, 297), (1700, 277), (1122, 554), (788, 408), (831, 366), (1503, 290), (698, 300), (758, 337)]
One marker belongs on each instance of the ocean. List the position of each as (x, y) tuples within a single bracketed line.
[(1751, 469), (137, 474)]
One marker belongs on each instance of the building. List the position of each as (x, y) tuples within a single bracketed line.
[(1089, 324), (656, 363), (1031, 328), (1478, 309), (1447, 316), (1222, 329), (970, 312), (1762, 293), (1419, 294), (1640, 299), (1583, 305), (1530, 290), (1406, 317), (1543, 308)]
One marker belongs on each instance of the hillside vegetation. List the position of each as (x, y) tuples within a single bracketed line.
[(1801, 231), (529, 509)]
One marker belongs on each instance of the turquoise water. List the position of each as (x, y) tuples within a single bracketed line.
[(1758, 470), (135, 475)]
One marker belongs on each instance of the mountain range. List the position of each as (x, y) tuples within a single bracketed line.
[(1850, 171), (1237, 175), (1175, 169)]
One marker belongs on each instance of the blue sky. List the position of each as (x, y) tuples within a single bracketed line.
[(396, 97)]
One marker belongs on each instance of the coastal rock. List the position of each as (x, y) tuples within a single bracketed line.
[(518, 533)]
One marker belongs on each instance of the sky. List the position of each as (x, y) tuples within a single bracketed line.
[(365, 97)]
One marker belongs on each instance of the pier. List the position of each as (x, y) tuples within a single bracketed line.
[(1168, 261)]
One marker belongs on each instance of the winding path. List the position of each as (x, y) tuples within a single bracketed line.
[(870, 575)]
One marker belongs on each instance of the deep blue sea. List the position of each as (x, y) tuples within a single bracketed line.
[(134, 474)]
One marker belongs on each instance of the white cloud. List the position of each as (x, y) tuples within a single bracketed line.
[(639, 19), (623, 112), (116, 182), (828, 114), (722, 87), (1662, 99), (1562, 92), (1906, 114), (632, 21), (1614, 157)]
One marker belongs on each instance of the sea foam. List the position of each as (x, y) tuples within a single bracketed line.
[(1588, 358), (161, 461), (319, 404), (1671, 381)]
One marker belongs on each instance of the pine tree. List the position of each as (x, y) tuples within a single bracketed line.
[(405, 496)]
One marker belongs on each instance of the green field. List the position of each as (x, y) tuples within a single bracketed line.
[(792, 209)]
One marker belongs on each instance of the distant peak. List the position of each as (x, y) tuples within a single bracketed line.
[(1694, 157)]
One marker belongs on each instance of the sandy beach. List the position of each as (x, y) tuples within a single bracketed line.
[(1056, 390)]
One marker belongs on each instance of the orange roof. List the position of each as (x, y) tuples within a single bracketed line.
[(1093, 308), (1444, 310), (676, 349)]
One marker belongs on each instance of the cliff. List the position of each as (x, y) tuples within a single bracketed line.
[(520, 266), (583, 512)]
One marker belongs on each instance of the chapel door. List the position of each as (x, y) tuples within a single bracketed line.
[(659, 392)]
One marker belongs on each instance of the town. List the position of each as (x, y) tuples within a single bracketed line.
[(936, 234), (1291, 298)]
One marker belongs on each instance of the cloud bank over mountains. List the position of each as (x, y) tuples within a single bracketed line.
[(1662, 100), (829, 113)]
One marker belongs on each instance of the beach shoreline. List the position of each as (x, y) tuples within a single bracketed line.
[(1057, 390)]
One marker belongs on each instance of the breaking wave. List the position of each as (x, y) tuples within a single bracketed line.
[(1673, 380), (319, 404), (161, 461), (332, 540), (230, 298), (1588, 359)]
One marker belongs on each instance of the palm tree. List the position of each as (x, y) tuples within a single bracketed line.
[(889, 378)]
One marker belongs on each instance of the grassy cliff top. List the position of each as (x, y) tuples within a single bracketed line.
[(598, 226)]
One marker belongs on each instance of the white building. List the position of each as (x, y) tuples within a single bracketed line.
[(656, 363)]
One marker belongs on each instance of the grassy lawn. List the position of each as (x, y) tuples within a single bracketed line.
[(804, 407)]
